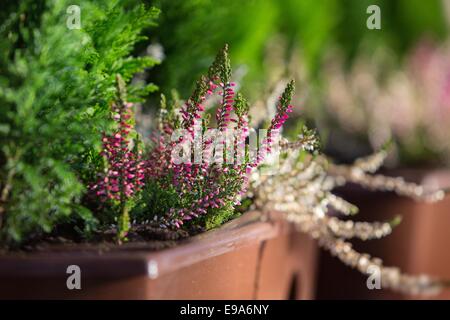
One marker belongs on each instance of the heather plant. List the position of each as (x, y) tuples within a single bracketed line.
[(56, 87), (301, 190), (207, 191), (123, 175)]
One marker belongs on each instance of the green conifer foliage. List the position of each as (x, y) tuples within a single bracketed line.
[(56, 87)]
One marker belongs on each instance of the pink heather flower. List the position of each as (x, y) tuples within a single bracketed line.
[(224, 110), (124, 175), (283, 110)]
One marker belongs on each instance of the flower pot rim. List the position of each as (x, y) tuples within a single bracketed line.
[(250, 228)]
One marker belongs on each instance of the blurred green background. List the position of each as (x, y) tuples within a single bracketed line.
[(303, 36), (192, 31)]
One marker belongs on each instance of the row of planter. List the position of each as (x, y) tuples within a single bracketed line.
[(253, 257)]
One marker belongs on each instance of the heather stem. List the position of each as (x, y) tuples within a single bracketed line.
[(7, 189), (124, 224), (5, 193)]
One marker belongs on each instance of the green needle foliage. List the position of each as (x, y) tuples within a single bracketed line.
[(56, 86)]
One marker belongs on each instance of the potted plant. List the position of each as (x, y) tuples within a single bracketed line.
[(197, 213), (77, 172)]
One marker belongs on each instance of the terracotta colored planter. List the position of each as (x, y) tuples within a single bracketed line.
[(419, 245), (247, 258)]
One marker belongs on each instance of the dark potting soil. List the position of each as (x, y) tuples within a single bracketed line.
[(146, 236)]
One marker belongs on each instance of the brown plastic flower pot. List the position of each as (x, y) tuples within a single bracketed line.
[(419, 245), (252, 257)]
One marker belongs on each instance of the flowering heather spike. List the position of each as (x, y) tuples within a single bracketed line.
[(241, 109), (168, 119), (361, 230), (224, 111), (124, 174), (374, 161), (162, 112), (286, 96), (193, 107), (355, 174), (221, 67), (219, 74), (241, 106), (283, 110), (221, 70), (306, 141), (341, 205)]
